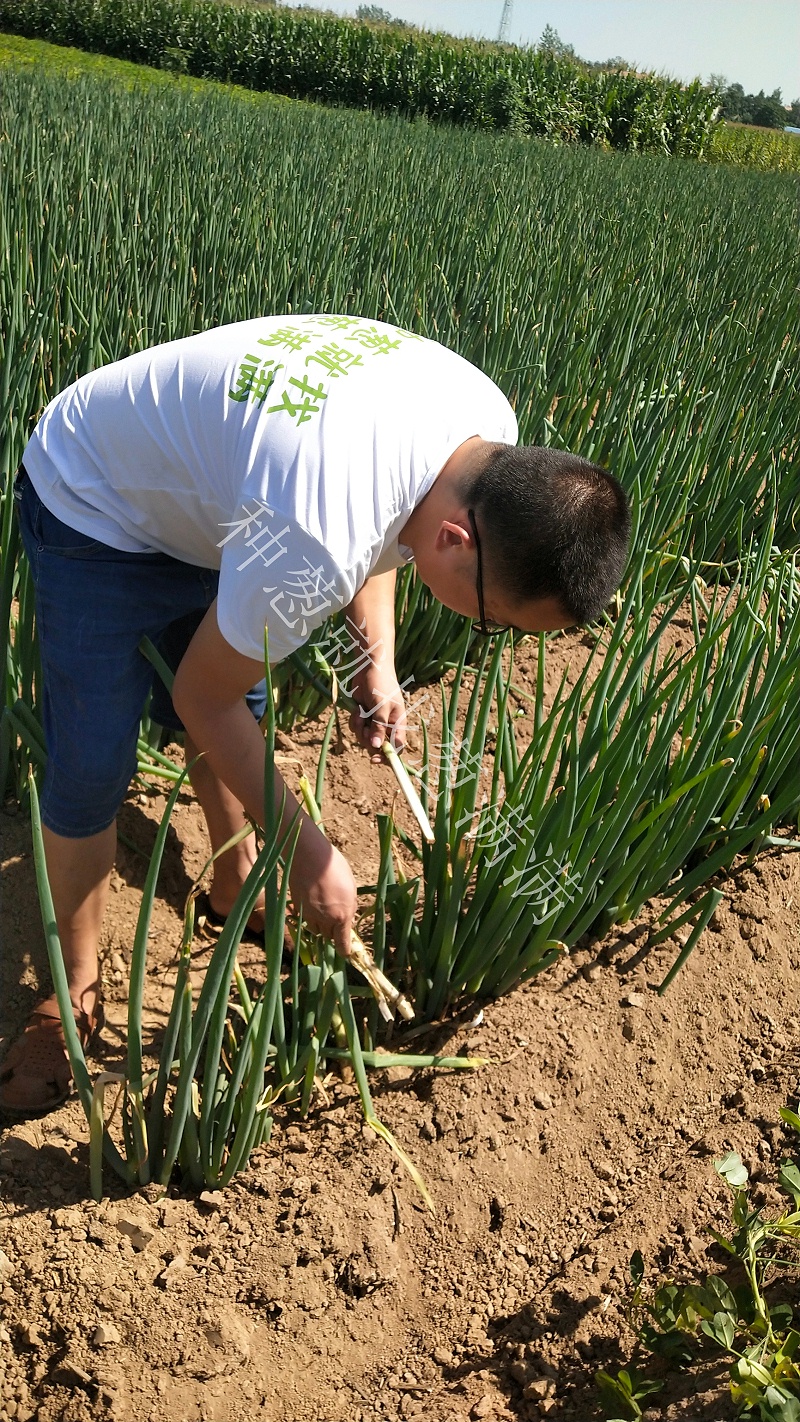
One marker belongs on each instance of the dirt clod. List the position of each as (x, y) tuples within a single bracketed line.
[(139, 1235), (105, 1334)]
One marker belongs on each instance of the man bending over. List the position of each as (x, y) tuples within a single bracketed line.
[(270, 472)]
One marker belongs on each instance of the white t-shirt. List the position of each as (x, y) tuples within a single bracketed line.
[(287, 451)]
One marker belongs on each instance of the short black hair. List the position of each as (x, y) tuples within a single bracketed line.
[(551, 525)]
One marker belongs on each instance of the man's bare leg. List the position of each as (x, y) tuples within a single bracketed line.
[(79, 871), (35, 1072), (225, 818)]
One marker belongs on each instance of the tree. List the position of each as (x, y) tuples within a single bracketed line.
[(552, 43), (376, 15), (766, 110)]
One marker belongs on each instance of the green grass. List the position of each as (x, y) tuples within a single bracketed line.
[(19, 53), (638, 310)]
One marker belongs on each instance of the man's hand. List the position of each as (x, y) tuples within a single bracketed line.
[(323, 888), (380, 713)]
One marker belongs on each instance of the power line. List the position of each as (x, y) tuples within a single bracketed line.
[(505, 21)]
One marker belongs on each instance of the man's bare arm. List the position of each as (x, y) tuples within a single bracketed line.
[(208, 695), (370, 622)]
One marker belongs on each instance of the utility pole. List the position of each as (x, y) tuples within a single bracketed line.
[(505, 21)]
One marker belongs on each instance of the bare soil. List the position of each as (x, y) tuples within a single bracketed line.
[(318, 1288)]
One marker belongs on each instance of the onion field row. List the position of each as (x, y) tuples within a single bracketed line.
[(639, 311)]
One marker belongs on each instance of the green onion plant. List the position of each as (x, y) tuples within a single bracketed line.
[(203, 1099), (638, 311), (647, 777)]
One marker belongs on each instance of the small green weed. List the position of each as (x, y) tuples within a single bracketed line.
[(682, 1324), (621, 1394)]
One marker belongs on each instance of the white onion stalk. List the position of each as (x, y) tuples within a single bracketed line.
[(387, 996), (414, 803), (385, 991)]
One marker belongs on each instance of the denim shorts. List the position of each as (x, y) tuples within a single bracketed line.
[(93, 606)]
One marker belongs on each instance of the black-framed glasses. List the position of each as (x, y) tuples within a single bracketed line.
[(486, 629)]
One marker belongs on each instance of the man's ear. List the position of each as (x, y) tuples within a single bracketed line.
[(451, 535)]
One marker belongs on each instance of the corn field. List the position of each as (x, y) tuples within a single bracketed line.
[(318, 56), (763, 148), (639, 311)]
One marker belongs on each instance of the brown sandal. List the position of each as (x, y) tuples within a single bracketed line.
[(212, 923), (36, 1075)]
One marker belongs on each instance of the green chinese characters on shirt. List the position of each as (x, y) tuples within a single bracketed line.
[(357, 339)]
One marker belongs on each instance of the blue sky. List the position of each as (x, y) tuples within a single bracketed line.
[(754, 42)]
